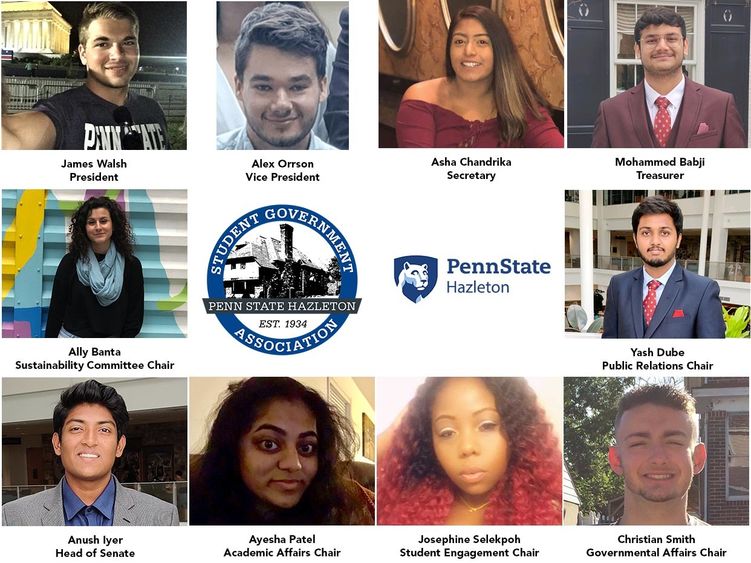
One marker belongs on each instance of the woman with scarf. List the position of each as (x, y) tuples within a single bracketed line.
[(98, 288)]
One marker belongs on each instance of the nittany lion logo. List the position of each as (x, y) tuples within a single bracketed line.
[(415, 276)]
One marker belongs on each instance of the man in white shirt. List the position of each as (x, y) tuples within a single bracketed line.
[(657, 452), (280, 80), (661, 299), (666, 109)]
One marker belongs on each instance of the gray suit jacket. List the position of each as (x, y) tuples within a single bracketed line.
[(131, 509)]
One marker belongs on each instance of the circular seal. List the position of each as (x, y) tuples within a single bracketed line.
[(288, 273)]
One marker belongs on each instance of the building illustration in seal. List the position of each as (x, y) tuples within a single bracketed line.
[(268, 267)]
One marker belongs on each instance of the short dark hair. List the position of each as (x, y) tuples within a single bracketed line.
[(107, 10), (95, 393), (285, 27), (657, 205), (661, 395), (657, 16)]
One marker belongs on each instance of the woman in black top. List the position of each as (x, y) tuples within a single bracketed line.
[(98, 288)]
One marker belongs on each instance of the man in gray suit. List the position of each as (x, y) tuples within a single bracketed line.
[(89, 435)]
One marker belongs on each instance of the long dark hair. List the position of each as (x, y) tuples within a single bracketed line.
[(122, 234), (515, 94), (218, 494), (413, 488)]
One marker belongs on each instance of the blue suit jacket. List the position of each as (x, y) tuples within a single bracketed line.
[(689, 307)]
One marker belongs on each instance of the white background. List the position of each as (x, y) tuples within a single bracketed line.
[(387, 203)]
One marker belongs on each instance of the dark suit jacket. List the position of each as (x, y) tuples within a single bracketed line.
[(623, 121), (132, 508), (689, 307)]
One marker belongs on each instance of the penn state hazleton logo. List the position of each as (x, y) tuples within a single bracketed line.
[(282, 280), (415, 276)]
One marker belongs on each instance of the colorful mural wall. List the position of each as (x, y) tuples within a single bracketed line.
[(35, 226)]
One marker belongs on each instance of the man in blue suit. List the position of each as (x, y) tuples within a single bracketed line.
[(661, 299)]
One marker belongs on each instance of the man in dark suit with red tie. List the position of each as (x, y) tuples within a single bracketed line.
[(666, 109), (661, 299)]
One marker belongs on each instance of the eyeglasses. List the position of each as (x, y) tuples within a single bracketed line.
[(672, 40)]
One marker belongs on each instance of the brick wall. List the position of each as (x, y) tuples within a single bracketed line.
[(719, 509)]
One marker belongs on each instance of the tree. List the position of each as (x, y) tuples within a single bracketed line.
[(333, 270), (590, 405)]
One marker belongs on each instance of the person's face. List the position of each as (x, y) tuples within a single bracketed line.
[(657, 239), (661, 49), (99, 229), (471, 51), (468, 437), (279, 94), (88, 445), (656, 453), (111, 53), (279, 455)]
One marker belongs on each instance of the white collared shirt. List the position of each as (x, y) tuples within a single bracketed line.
[(663, 279), (675, 96)]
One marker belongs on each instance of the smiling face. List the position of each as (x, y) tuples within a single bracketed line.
[(88, 445), (661, 49), (657, 455), (99, 229), (279, 94), (468, 437), (471, 51), (110, 54), (657, 241), (279, 455)]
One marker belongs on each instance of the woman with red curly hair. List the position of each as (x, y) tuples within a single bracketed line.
[(470, 451)]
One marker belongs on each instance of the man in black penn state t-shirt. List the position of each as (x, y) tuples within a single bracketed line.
[(84, 117)]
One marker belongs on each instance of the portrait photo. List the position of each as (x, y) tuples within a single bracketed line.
[(95, 263), (657, 263), (94, 452), (670, 75), (469, 451), (282, 75), (470, 74), (94, 76), (656, 451), (281, 451)]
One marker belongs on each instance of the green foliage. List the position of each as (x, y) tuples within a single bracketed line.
[(590, 405), (176, 131), (736, 325)]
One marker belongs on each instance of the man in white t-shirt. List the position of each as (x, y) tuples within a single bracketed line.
[(657, 452)]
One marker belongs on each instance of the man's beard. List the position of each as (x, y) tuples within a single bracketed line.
[(656, 262)]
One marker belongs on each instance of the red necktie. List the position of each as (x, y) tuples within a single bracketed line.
[(662, 121), (650, 301)]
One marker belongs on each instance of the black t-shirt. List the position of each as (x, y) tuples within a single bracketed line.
[(85, 121)]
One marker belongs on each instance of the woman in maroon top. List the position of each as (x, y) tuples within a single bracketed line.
[(486, 99)]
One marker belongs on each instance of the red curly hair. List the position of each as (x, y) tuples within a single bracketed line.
[(414, 489)]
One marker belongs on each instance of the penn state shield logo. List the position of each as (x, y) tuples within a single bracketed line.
[(415, 276)]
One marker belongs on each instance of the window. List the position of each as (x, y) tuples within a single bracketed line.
[(626, 65), (680, 194), (620, 197), (339, 400), (737, 456)]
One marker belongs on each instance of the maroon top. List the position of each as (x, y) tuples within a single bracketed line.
[(426, 125)]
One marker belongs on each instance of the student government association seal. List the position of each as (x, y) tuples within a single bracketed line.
[(282, 280)]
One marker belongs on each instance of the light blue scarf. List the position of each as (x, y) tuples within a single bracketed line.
[(105, 278)]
